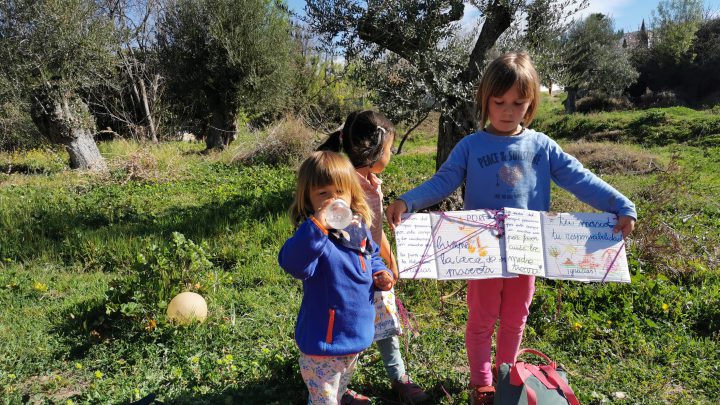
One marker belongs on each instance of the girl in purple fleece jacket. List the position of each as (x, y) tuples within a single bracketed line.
[(340, 270)]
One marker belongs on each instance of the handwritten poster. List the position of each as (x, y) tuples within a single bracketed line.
[(466, 245), (453, 245), (583, 247), (415, 251), (524, 242)]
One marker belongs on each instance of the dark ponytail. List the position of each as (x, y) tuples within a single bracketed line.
[(332, 143), (335, 140), (365, 141)]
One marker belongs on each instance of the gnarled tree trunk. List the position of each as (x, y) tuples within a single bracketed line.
[(65, 119), (570, 102), (222, 129)]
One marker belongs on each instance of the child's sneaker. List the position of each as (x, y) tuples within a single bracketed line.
[(482, 395), (408, 391), (351, 397)]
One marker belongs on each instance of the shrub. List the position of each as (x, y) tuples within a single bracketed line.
[(598, 102), (286, 142), (156, 277), (662, 237), (665, 98), (17, 131)]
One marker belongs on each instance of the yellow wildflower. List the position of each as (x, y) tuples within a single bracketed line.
[(577, 326), (151, 325), (665, 307), (41, 287)]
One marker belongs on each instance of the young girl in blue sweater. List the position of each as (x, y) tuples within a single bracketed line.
[(506, 164), (339, 269)]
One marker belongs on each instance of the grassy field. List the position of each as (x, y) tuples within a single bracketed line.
[(87, 263)]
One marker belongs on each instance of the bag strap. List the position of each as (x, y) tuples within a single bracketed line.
[(566, 390), (537, 353), (536, 371), (518, 374)]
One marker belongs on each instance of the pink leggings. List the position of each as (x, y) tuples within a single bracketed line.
[(507, 299)]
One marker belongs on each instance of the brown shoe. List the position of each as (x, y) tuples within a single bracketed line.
[(408, 391), (351, 397), (482, 395)]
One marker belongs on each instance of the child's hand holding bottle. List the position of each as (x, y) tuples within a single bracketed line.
[(334, 214)]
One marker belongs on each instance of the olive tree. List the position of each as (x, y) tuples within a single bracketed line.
[(417, 33), (594, 60), (52, 52), (226, 57)]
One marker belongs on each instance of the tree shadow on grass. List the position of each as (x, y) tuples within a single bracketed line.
[(86, 324), (293, 391), (53, 232)]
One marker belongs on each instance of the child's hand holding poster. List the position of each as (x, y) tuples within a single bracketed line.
[(465, 245)]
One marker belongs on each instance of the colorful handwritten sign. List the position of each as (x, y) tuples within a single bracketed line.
[(452, 245), (583, 247), (466, 245), (524, 242)]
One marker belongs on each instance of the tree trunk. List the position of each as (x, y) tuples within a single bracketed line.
[(148, 112), (454, 125), (222, 129), (65, 119), (460, 119), (570, 107)]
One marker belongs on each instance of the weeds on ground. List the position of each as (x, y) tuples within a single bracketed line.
[(287, 142)]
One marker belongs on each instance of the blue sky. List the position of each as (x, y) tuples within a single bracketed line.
[(628, 14)]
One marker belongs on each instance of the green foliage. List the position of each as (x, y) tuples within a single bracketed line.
[(656, 126), (17, 131), (156, 276), (674, 24), (592, 59), (65, 43), (227, 56), (683, 55)]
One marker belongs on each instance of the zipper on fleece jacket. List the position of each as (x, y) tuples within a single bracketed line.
[(331, 323), (362, 261)]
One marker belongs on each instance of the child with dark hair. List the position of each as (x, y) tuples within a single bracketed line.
[(367, 139)]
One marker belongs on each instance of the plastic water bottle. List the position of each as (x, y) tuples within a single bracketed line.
[(338, 214)]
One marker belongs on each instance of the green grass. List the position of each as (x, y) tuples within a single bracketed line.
[(79, 253), (654, 126)]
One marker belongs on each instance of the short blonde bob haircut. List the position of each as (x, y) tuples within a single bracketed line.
[(321, 169), (500, 76)]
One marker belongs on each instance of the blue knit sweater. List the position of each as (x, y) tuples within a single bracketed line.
[(336, 314), (515, 171)]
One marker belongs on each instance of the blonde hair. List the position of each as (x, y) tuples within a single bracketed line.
[(323, 168), (502, 73)]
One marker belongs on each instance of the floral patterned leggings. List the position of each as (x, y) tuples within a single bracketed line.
[(327, 377)]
